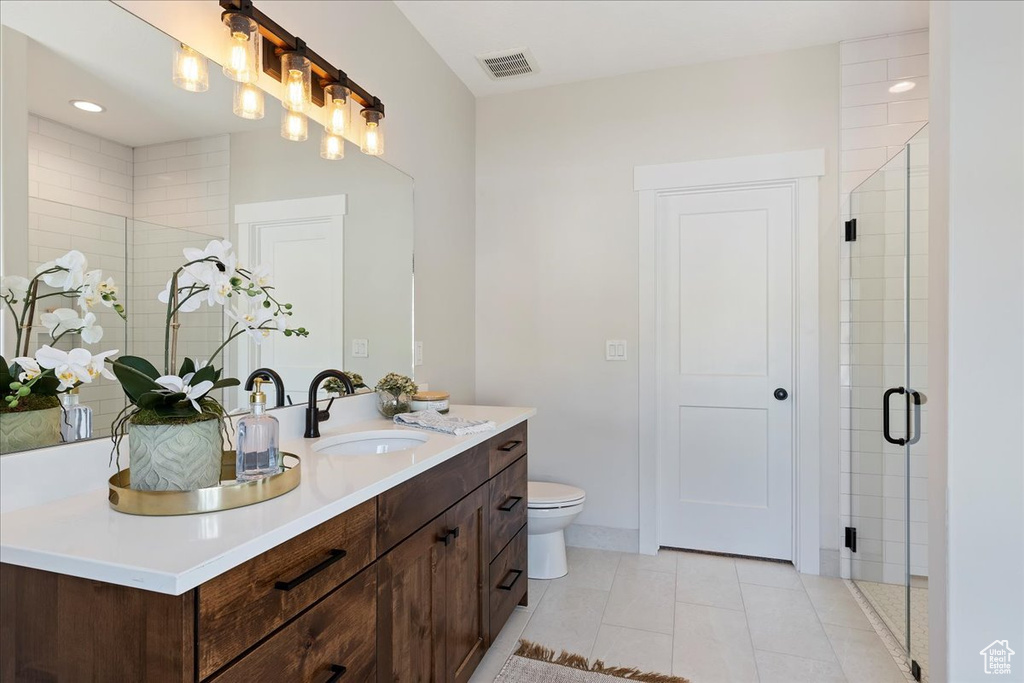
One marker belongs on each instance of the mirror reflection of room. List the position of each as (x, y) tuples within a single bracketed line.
[(130, 171)]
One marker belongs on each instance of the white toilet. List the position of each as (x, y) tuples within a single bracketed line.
[(550, 508)]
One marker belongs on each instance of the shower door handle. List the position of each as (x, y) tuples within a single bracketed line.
[(885, 416), (913, 399)]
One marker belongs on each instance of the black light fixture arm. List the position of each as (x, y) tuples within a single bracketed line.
[(277, 41)]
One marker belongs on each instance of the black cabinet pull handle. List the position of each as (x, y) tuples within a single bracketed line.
[(337, 671), (510, 446), (508, 586), (455, 532), (510, 503), (450, 536), (334, 555), (885, 416)]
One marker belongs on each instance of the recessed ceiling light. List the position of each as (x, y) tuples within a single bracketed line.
[(86, 105), (902, 86)]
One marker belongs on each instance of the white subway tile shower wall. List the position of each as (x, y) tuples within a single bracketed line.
[(874, 125), (80, 192)]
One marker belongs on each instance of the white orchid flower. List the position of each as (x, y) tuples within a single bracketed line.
[(208, 272), (184, 282), (70, 367), (220, 289), (256, 322), (97, 366), (181, 385), (29, 368), (61, 320), (107, 291), (73, 275), (91, 332), (260, 276), (14, 287)]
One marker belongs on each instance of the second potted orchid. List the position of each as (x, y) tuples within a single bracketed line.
[(174, 424)]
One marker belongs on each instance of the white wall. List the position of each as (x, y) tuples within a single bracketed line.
[(430, 135), (979, 50), (557, 243)]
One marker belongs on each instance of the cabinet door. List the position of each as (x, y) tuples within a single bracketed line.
[(411, 608), (467, 595)]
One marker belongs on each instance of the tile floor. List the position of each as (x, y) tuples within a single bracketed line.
[(704, 617), (890, 603)]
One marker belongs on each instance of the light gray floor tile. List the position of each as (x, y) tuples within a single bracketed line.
[(664, 561), (712, 645), (642, 599), (643, 650), (863, 656), (763, 573), (568, 618), (833, 602), (773, 667), (783, 620), (707, 580), (589, 568)]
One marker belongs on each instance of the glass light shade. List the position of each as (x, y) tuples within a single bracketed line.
[(248, 102), (332, 146), (337, 109), (242, 51), (296, 77), (191, 71), (294, 126), (373, 136)]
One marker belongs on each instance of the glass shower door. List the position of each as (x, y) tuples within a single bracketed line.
[(875, 389)]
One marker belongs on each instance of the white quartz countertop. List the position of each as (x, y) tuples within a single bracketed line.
[(82, 536)]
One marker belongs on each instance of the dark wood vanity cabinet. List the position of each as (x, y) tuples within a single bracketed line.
[(413, 585)]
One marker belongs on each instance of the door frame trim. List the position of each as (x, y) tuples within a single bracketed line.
[(801, 170)]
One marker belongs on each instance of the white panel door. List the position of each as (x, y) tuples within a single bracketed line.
[(312, 247), (725, 345)]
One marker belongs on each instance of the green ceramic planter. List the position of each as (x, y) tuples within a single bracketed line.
[(175, 457), (30, 429)]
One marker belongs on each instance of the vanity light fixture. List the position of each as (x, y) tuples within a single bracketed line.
[(309, 80), (190, 69), (373, 136), (86, 105), (902, 86), (242, 57), (332, 147), (294, 126), (248, 101)]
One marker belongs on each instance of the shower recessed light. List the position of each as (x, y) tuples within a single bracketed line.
[(86, 105), (902, 86)]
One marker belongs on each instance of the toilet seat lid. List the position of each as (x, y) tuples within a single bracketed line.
[(549, 494)]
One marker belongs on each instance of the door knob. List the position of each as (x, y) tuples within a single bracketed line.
[(781, 394)]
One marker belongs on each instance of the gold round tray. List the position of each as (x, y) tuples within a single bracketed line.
[(226, 495)]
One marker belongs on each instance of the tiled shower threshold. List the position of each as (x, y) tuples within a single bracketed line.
[(886, 629)]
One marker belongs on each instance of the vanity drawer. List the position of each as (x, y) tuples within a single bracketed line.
[(506, 448), (508, 581), (339, 632), (241, 606), (507, 505), (407, 507)]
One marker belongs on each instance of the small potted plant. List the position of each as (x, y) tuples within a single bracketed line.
[(30, 414), (175, 426), (394, 392)]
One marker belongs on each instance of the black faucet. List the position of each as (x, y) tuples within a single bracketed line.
[(315, 416), (268, 375)]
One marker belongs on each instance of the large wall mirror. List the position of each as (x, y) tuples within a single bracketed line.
[(160, 170)]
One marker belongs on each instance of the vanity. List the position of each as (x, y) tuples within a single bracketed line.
[(395, 567)]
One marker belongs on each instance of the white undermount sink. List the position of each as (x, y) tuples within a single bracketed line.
[(371, 443)]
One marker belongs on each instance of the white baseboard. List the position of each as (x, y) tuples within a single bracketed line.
[(603, 538)]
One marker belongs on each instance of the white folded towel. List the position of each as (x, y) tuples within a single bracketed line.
[(436, 422)]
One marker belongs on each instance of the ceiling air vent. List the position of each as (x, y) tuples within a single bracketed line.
[(507, 63)]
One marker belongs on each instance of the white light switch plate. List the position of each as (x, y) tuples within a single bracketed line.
[(419, 353), (360, 348), (615, 349)]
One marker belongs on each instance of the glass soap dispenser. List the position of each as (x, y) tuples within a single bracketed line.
[(258, 436), (76, 419)]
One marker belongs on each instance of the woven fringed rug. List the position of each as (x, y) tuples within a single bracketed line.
[(532, 663)]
